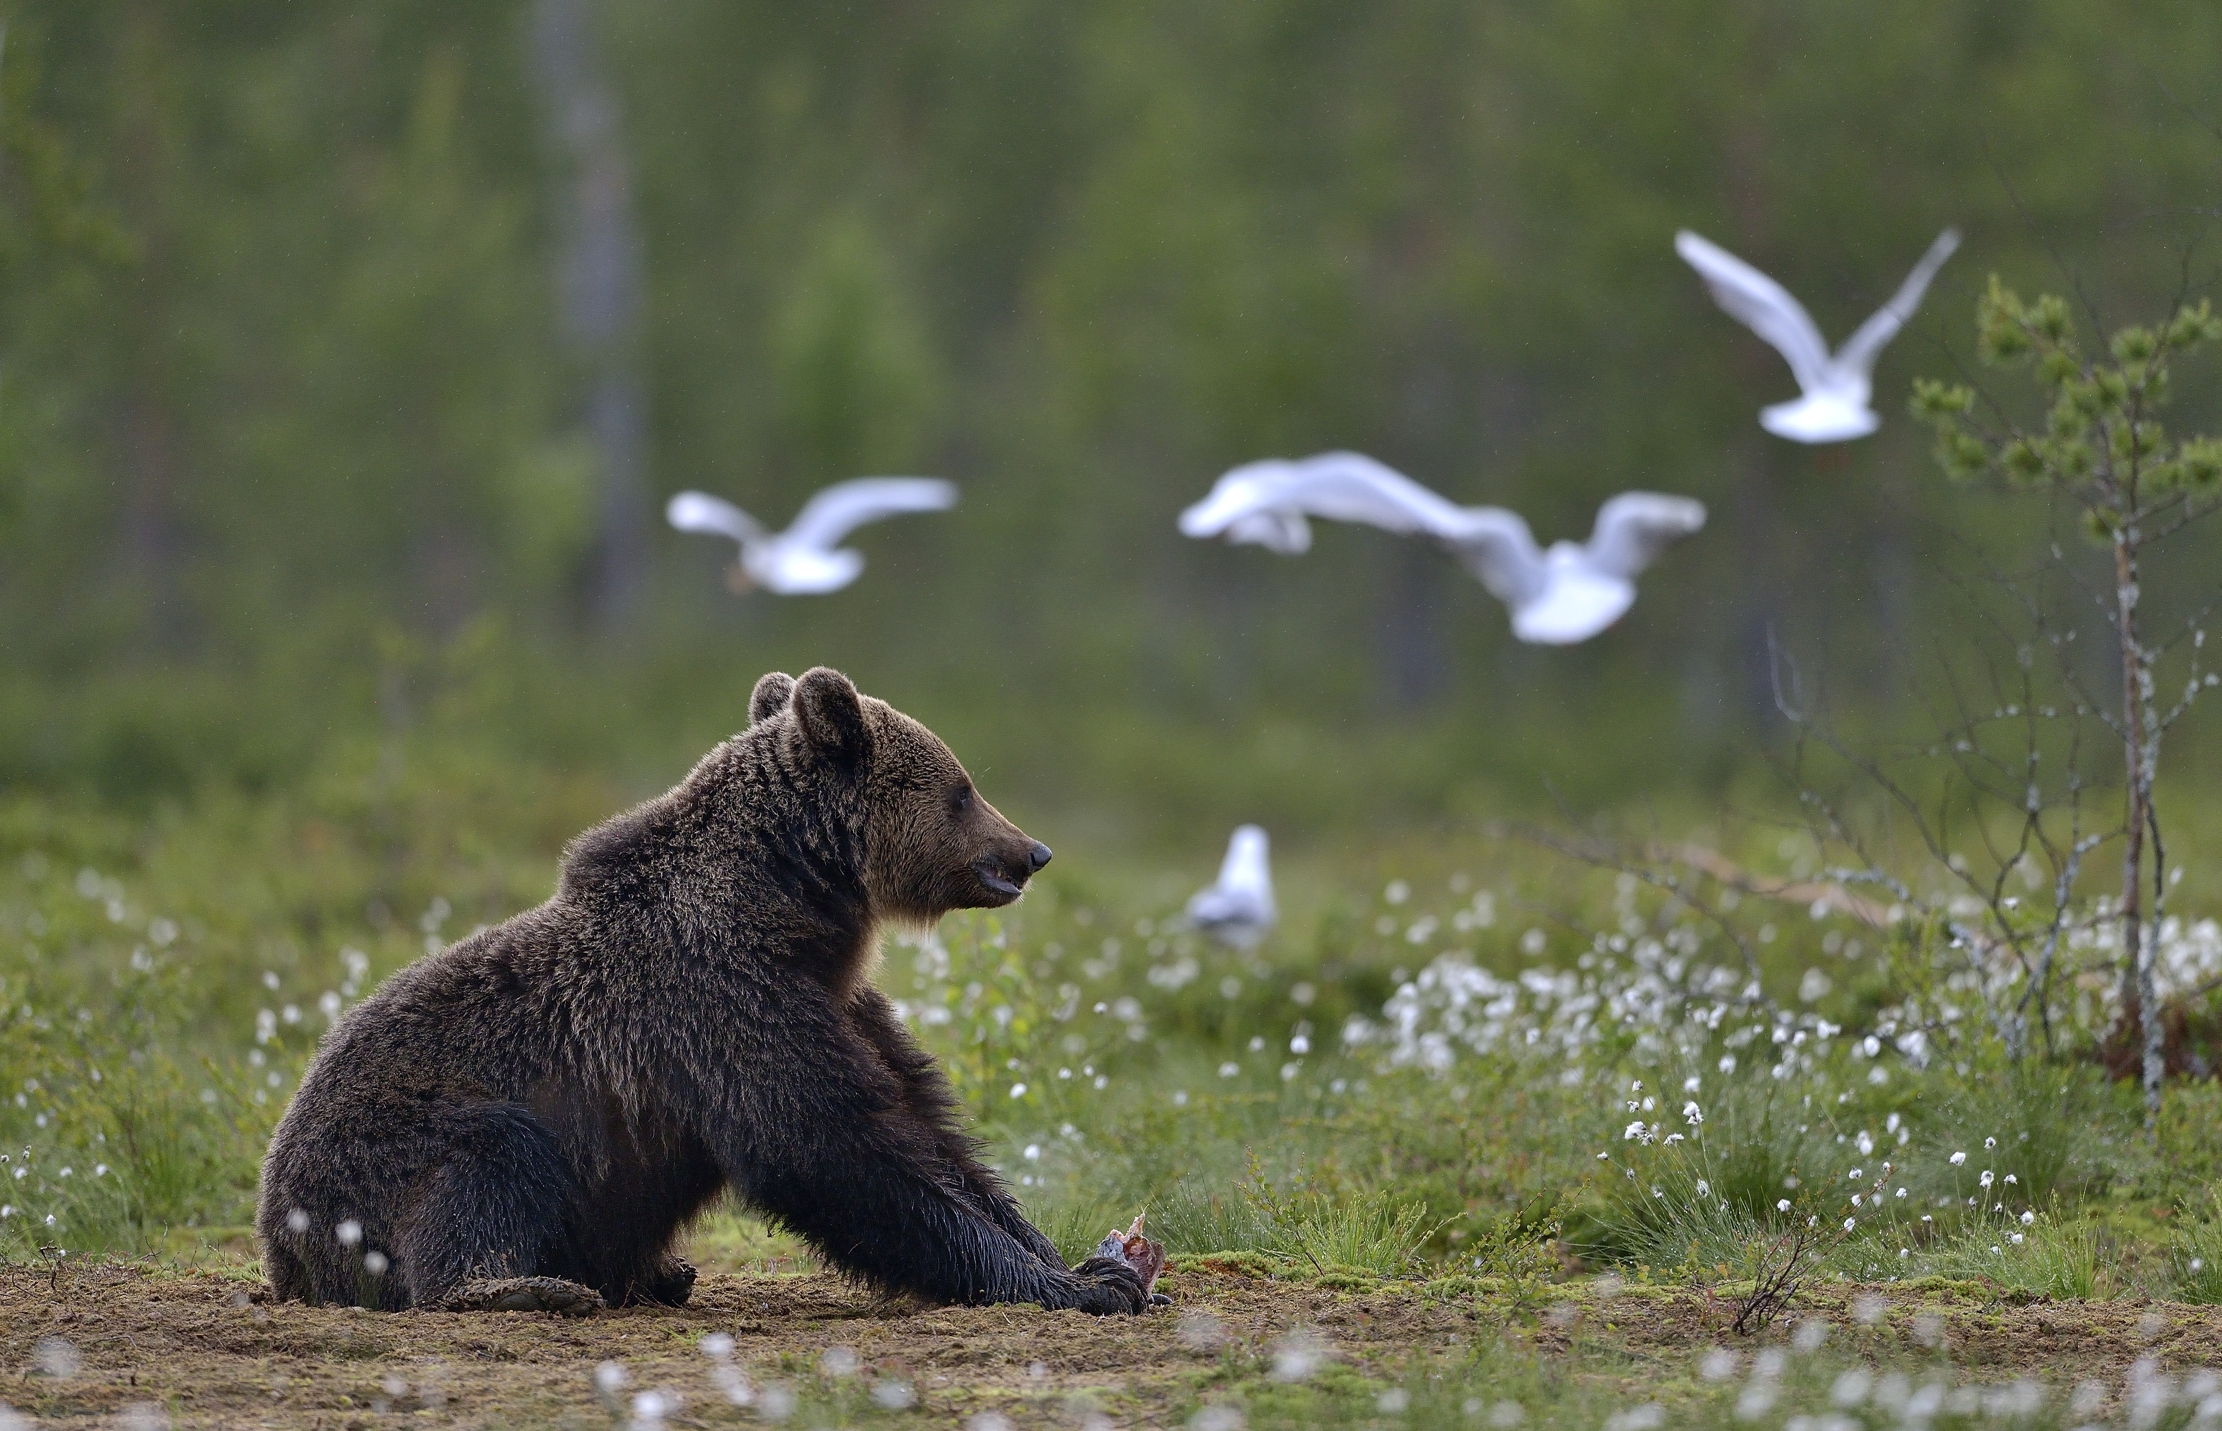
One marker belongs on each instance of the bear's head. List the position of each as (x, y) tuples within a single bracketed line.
[(931, 843)]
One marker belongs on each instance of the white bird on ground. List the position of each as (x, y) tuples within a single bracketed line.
[(1566, 594), (803, 560), (1238, 909), (1836, 387)]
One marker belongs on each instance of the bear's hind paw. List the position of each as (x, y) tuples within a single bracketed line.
[(522, 1294)]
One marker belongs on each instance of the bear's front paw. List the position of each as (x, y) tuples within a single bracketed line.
[(670, 1286), (1104, 1288)]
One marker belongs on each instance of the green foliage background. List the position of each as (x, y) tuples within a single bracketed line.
[(294, 476)]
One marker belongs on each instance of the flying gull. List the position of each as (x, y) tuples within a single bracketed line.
[(1558, 596), (1836, 387), (804, 560)]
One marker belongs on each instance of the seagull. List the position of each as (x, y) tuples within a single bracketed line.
[(803, 560), (1238, 910), (1559, 596), (1836, 387)]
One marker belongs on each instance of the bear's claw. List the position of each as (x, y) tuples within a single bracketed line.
[(522, 1294)]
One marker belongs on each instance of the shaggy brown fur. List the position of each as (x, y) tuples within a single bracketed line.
[(557, 1096)]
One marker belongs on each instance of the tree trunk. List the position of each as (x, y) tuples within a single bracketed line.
[(600, 283), (2139, 987)]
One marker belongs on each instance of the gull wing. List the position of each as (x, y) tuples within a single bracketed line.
[(1244, 506), (1760, 304), (1498, 548), (1861, 349), (1284, 532), (1634, 527), (1352, 487), (1267, 502), (701, 512), (1271, 499), (840, 509), (1495, 544)]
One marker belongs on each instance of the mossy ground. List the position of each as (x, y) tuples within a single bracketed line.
[(201, 1344)]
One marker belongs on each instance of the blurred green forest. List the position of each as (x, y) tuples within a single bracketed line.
[(348, 351)]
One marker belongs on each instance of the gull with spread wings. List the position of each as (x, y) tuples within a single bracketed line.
[(804, 560), (1558, 596), (1836, 387)]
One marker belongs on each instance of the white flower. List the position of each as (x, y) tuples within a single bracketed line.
[(1990, 1142), (1782, 1204), (1958, 1158), (1632, 1131), (1691, 1114), (1985, 1179), (1856, 1174), (2012, 1179), (1704, 1189), (2014, 1237), (1901, 1192), (2029, 1219), (1848, 1223)]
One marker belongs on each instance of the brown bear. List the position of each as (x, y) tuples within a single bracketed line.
[(529, 1117)]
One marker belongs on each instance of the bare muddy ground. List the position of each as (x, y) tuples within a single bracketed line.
[(122, 1344)]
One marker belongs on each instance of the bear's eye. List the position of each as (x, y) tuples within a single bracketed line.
[(960, 799)]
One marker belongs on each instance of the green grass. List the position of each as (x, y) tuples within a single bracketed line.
[(163, 980)]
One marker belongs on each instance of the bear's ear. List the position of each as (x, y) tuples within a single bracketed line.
[(770, 696), (830, 712)]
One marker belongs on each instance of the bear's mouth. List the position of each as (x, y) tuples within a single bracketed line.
[(995, 881)]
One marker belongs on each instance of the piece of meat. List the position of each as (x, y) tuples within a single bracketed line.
[(1147, 1258)]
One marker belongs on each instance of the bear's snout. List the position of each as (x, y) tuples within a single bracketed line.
[(1003, 873)]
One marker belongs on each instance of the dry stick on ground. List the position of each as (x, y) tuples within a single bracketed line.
[(1783, 1269)]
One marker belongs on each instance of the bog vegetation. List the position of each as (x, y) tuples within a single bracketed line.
[(1464, 1065)]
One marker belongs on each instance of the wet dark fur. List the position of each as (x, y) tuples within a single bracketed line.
[(557, 1096)]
